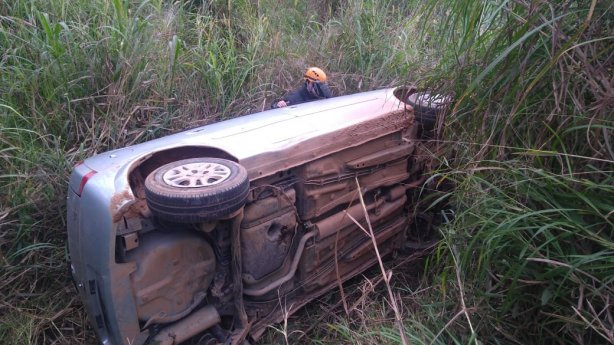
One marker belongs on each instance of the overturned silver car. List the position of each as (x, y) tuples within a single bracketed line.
[(205, 230)]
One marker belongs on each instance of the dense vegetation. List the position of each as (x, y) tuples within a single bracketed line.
[(527, 145)]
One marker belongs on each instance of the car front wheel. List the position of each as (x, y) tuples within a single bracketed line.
[(196, 189), (427, 106)]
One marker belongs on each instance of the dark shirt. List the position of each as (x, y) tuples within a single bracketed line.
[(302, 95)]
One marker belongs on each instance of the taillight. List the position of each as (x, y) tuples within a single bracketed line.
[(84, 180)]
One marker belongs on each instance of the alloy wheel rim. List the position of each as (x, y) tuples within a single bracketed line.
[(196, 175)]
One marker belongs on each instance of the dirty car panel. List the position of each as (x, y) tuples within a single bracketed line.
[(204, 230)]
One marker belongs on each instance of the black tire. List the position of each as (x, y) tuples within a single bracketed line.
[(196, 189), (426, 106)]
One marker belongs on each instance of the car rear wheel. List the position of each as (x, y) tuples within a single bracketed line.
[(196, 189)]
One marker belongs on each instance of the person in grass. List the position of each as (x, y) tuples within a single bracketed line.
[(314, 88)]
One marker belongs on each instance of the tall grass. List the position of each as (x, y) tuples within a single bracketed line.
[(527, 259), (528, 142), (530, 154), (82, 77)]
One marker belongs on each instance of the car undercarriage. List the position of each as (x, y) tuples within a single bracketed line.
[(205, 242)]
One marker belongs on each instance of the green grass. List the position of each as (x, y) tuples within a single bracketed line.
[(531, 160), (528, 146)]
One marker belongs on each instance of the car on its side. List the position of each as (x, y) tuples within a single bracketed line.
[(204, 231)]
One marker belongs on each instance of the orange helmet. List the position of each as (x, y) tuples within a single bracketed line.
[(315, 74)]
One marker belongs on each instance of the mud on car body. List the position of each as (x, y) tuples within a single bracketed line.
[(205, 230)]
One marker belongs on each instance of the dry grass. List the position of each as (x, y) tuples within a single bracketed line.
[(84, 77), (529, 147)]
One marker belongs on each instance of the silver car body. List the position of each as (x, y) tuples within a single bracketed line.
[(101, 196)]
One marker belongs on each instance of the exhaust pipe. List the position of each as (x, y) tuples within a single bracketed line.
[(195, 323)]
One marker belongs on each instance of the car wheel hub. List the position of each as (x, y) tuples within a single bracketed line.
[(196, 175)]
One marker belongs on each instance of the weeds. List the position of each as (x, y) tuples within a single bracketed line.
[(81, 78), (533, 232), (528, 140)]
